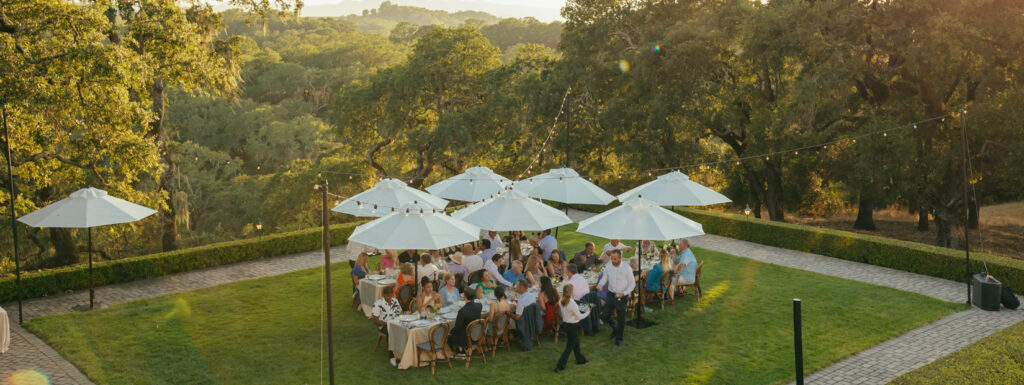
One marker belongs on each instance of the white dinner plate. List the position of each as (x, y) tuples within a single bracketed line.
[(450, 315), (387, 281), (375, 276), (408, 317), (421, 323)]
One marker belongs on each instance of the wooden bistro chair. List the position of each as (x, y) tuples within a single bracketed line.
[(437, 337), (696, 284), (666, 287), (405, 297), (557, 327), (381, 337), (475, 277), (476, 336), (499, 334)]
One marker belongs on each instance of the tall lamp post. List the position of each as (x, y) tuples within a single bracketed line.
[(14, 227), (326, 238)]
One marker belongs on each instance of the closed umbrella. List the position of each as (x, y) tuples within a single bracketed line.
[(473, 185), (640, 219), (387, 194), (414, 226), (675, 189), (87, 208)]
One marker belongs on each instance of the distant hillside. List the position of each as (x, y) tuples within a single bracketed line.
[(383, 19), (328, 8)]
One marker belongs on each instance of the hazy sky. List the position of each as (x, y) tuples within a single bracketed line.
[(545, 10)]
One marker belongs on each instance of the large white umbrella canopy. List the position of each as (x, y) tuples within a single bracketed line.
[(566, 186), (387, 194), (639, 218), (511, 211), (88, 207), (414, 226), (474, 185), (675, 189)]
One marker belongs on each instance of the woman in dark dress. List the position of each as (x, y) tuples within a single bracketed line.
[(548, 299)]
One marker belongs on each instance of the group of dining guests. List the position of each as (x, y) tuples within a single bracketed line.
[(535, 269)]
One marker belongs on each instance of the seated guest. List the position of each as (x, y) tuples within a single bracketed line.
[(428, 297), (359, 271), (492, 267), (654, 276), (514, 274), (614, 244), (547, 244), (556, 265), (548, 300), (686, 266), (487, 251), (385, 309), (388, 261), (534, 269), (404, 277), (426, 269), (648, 248), (456, 267), (470, 260), (449, 293), (585, 259), (408, 256), (499, 305), (580, 285), (457, 338), (526, 298), (486, 285)]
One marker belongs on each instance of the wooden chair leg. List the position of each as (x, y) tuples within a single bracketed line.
[(432, 366), (469, 356), (448, 358)]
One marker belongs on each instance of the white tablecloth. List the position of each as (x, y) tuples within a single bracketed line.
[(5, 331), (369, 292)]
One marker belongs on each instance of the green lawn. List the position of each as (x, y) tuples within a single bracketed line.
[(996, 359), (267, 331)]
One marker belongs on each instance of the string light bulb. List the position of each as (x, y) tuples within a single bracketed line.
[(885, 133)]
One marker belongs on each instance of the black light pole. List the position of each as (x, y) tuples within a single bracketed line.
[(327, 280), (14, 227), (88, 230), (798, 342), (967, 212)]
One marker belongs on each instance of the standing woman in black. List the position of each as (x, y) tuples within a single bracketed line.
[(571, 318)]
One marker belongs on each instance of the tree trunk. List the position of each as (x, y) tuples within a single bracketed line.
[(756, 191), (169, 233), (773, 194), (865, 213), (922, 218), (64, 246)]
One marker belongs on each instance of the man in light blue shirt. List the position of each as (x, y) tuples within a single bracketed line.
[(547, 244), (686, 266), (514, 274), (488, 251)]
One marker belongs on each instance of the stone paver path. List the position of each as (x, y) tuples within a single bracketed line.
[(876, 365), (886, 361), (29, 353)]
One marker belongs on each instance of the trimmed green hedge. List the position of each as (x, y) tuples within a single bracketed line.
[(892, 253), (48, 282)]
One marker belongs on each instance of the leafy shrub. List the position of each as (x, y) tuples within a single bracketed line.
[(48, 282)]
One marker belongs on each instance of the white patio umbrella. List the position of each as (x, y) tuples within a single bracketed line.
[(512, 211), (640, 219), (414, 226), (87, 208), (387, 194), (564, 185), (675, 189), (473, 185)]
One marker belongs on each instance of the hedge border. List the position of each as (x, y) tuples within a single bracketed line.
[(60, 280), (880, 251)]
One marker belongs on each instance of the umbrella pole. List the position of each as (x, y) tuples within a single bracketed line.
[(91, 295), (14, 227)]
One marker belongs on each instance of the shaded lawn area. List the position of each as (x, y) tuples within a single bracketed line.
[(268, 331), (996, 359)]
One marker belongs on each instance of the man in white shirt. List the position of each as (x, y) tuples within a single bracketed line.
[(614, 244), (470, 260), (495, 239), (579, 284), (547, 243), (526, 298), (492, 267), (426, 268), (619, 278)]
